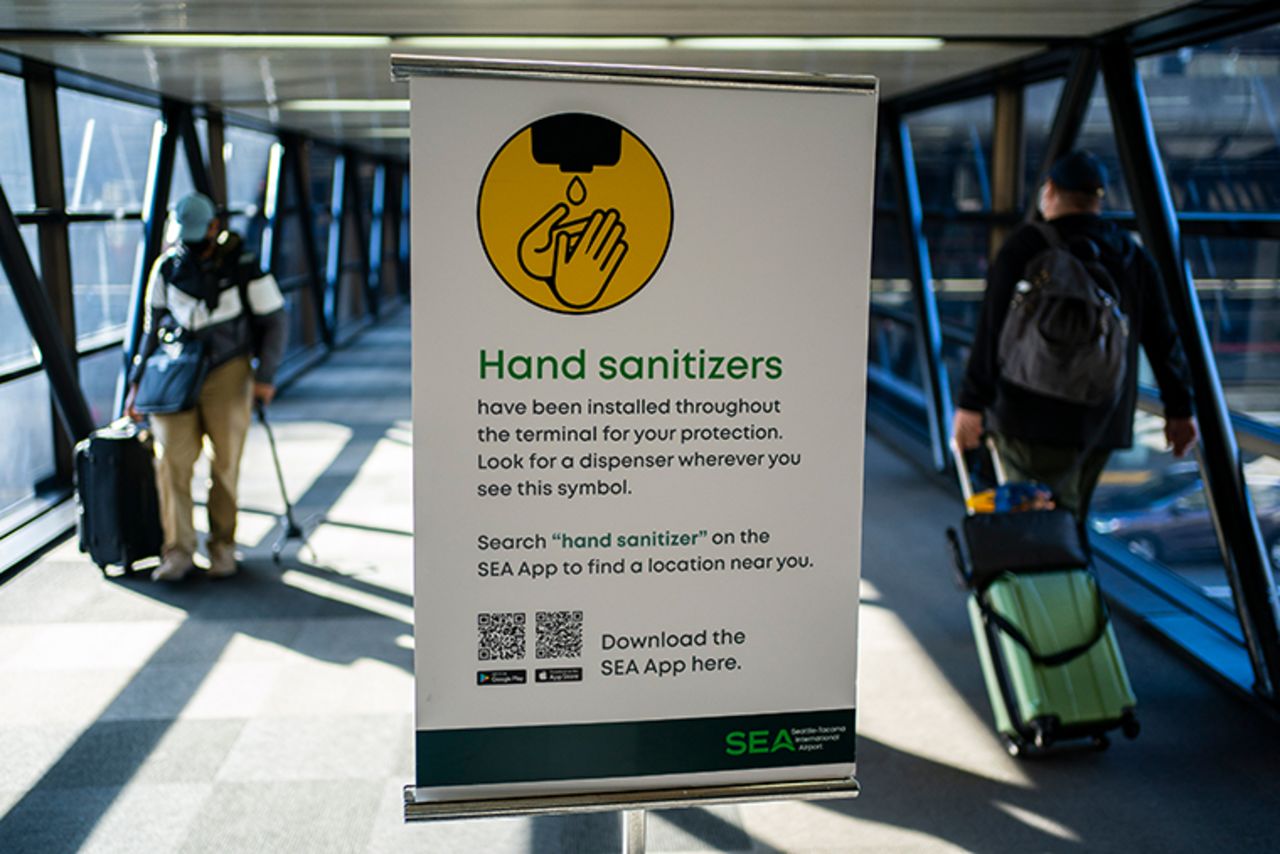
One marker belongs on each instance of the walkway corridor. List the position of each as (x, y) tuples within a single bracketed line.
[(272, 712)]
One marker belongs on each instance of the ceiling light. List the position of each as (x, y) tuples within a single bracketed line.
[(378, 133), (849, 44), (347, 105), (248, 40), (536, 42)]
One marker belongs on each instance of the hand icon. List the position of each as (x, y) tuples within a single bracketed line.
[(581, 272), (537, 245)]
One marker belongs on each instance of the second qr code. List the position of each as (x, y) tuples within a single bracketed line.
[(559, 634)]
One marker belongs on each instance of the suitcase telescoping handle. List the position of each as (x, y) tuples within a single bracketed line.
[(962, 468)]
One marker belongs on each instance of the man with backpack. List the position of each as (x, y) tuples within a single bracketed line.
[(1054, 364), (208, 289)]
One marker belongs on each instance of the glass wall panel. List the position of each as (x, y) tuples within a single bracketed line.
[(182, 183), (106, 146), (104, 256), (296, 307), (1216, 112), (1039, 103), (15, 151), (1262, 475), (246, 153), (321, 197), (892, 344), (99, 376), (17, 349), (1238, 281), (1155, 506), (952, 146), (26, 442), (1096, 135)]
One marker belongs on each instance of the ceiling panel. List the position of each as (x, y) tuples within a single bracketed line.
[(1034, 18), (257, 83)]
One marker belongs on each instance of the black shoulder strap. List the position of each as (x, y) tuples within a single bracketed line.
[(1050, 234)]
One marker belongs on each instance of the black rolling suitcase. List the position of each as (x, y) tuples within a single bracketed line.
[(117, 502)]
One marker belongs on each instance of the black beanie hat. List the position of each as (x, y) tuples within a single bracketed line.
[(1079, 172)]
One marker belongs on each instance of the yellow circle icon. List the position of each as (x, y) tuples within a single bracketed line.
[(575, 213)]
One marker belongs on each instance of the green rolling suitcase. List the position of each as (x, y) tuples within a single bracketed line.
[(1048, 651)]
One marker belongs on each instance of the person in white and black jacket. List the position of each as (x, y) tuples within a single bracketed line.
[(197, 285)]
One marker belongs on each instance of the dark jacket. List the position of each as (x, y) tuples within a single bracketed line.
[(204, 292), (1031, 417)]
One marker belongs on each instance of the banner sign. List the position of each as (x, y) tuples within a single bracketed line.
[(639, 343)]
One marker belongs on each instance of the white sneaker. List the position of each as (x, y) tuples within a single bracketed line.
[(173, 568), (222, 564)]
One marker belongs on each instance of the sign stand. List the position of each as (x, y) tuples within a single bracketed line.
[(595, 636), (633, 831)]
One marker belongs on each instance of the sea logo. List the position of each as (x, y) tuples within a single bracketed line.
[(575, 213), (739, 742)]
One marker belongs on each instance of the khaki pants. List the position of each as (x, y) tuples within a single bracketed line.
[(222, 414), (1056, 467)]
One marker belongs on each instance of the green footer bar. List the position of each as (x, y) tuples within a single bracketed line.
[(463, 757)]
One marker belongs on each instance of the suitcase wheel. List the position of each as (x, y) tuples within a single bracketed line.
[(1013, 745), (1129, 725), (1042, 728), (1101, 742)]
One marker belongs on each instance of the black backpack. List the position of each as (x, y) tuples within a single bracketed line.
[(1066, 335)]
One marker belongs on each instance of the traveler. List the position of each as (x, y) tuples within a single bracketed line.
[(1060, 443), (200, 285)]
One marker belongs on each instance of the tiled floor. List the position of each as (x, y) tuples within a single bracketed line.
[(272, 712)]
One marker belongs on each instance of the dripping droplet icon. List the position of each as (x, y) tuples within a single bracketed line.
[(576, 192)]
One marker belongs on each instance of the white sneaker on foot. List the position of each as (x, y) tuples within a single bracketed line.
[(173, 568), (222, 564)]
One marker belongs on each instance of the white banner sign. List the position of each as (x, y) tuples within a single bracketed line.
[(639, 324)]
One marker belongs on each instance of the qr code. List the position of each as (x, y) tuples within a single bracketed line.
[(559, 634), (501, 635)]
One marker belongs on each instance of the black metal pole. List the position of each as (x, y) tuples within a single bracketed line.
[(200, 178), (216, 128), (159, 180), (43, 325), (1073, 105), (928, 328), (337, 241), (377, 233), (296, 154), (403, 206), (55, 248), (1246, 564), (363, 236)]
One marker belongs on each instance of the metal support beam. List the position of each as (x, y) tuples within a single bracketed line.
[(1247, 565), (1006, 159), (296, 153), (216, 129), (55, 251), (195, 155), (43, 325), (927, 327), (337, 242), (363, 232), (1073, 105), (377, 233), (155, 210)]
